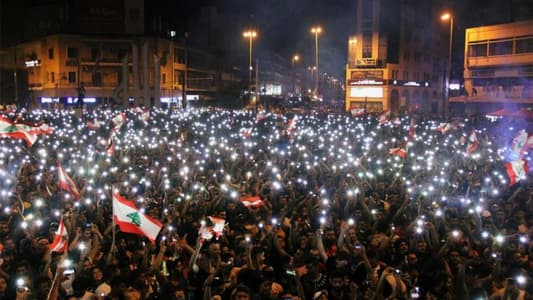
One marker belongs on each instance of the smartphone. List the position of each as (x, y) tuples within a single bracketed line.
[(291, 272), (68, 272)]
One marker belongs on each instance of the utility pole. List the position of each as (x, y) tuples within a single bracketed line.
[(257, 87), (184, 88)]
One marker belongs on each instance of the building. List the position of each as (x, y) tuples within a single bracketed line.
[(140, 69), (498, 68), (395, 59)]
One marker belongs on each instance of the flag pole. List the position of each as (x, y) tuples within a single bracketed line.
[(112, 250), (56, 275)]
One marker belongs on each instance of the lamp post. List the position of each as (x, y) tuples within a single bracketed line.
[(250, 34), (445, 17), (316, 31), (294, 59)]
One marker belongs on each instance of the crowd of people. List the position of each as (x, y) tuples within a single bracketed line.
[(393, 207)]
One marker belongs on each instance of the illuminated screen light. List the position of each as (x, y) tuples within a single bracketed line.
[(370, 92), (367, 81), (192, 97)]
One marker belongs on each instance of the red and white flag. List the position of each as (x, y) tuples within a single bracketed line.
[(60, 243), (247, 132), (398, 152), (131, 220), (412, 126), (252, 201), (473, 143), (516, 170), (213, 227), (291, 124), (144, 114), (396, 122), (520, 143), (66, 183), (260, 116), (110, 150), (384, 117), (95, 124), (445, 127), (357, 112), (21, 130)]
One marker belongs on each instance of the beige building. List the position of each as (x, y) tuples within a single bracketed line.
[(394, 62), (498, 67), (142, 70)]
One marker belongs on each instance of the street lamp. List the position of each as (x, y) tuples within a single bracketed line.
[(316, 31), (250, 34), (294, 59), (445, 17)]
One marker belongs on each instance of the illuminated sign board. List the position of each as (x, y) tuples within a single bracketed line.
[(367, 82), (369, 91)]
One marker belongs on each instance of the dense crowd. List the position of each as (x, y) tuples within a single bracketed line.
[(395, 207)]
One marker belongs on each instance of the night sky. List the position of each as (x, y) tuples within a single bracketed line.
[(284, 25)]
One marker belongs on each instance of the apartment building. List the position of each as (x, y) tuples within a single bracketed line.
[(394, 59), (498, 68)]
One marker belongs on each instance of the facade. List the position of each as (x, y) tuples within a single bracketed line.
[(498, 67), (394, 61), (55, 68)]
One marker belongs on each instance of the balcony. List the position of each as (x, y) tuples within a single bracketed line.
[(105, 61), (499, 60), (496, 94)]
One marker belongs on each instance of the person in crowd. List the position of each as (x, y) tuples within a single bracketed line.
[(314, 206)]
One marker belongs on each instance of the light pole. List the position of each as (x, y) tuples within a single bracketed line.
[(250, 34), (316, 31), (445, 17), (294, 59)]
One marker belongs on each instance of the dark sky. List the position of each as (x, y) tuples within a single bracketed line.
[(284, 25)]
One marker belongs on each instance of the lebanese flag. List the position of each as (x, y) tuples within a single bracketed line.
[(396, 122), (260, 116), (95, 125), (129, 219), (252, 201), (66, 183), (214, 227), (110, 147), (117, 122), (520, 143), (247, 132), (384, 117), (516, 170), (357, 112), (398, 152), (473, 143), (412, 126), (144, 114), (445, 127), (292, 124), (60, 243), (25, 131)]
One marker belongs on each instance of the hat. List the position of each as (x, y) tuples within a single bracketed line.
[(103, 289), (318, 294)]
